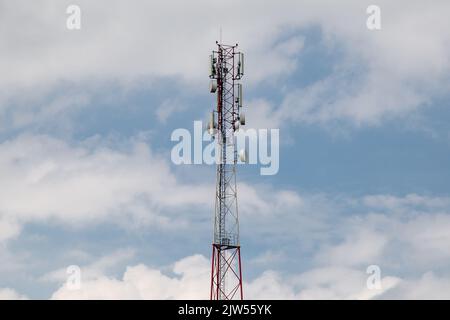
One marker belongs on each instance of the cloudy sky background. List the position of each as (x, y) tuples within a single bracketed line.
[(85, 171)]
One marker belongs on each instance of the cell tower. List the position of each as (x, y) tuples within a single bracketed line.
[(227, 68)]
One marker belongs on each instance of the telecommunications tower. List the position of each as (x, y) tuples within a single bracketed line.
[(227, 68)]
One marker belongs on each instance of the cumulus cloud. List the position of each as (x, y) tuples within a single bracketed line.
[(168, 108), (377, 75), (10, 294), (383, 74), (191, 276), (50, 180), (339, 270), (98, 268), (427, 287), (142, 282), (90, 182), (402, 231), (120, 40), (406, 237), (46, 179), (8, 229)]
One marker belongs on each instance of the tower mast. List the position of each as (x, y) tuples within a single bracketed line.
[(227, 68)]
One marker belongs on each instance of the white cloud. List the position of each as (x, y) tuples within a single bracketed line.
[(259, 114), (47, 180), (408, 202), (407, 237), (427, 287), (191, 278), (168, 108), (269, 285), (191, 275), (410, 229), (91, 182), (379, 74), (407, 241), (408, 248), (142, 282), (383, 74), (8, 229), (112, 42), (335, 282), (96, 269), (10, 294), (360, 247), (124, 46)]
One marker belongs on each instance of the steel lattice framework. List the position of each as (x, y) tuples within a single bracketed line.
[(226, 273)]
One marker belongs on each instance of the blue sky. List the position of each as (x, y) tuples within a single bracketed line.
[(86, 117)]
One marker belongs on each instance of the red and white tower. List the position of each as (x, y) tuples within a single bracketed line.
[(227, 68)]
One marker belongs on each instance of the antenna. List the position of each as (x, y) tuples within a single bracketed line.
[(226, 69)]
